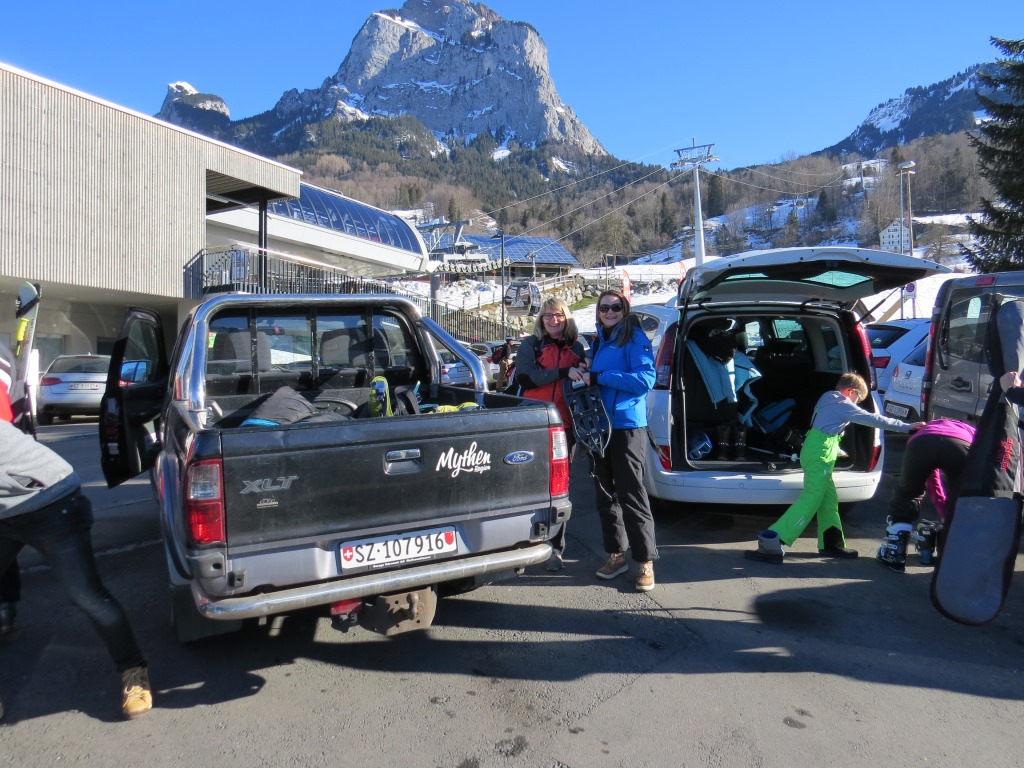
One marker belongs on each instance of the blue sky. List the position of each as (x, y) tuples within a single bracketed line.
[(761, 81)]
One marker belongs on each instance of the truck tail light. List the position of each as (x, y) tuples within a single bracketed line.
[(559, 481), (204, 502)]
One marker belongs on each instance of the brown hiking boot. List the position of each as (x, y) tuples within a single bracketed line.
[(136, 697), (615, 565), (645, 576)]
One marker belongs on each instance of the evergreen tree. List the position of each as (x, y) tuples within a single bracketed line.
[(1000, 148), (666, 221), (790, 230), (715, 205)]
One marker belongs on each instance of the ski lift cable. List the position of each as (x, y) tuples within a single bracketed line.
[(609, 213), (544, 224), (572, 184), (807, 191)]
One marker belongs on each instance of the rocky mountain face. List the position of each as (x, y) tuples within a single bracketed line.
[(455, 65), (946, 107)]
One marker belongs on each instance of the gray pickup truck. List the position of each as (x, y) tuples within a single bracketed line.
[(371, 516)]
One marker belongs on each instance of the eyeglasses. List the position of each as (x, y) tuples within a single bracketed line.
[(605, 308), (553, 316)]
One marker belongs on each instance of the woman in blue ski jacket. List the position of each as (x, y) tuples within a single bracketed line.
[(622, 366)]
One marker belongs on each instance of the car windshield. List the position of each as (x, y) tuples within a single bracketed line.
[(80, 365)]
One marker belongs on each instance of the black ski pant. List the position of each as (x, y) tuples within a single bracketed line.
[(622, 503), (923, 456), (10, 584)]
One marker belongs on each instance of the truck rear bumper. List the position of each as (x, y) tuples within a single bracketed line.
[(366, 585)]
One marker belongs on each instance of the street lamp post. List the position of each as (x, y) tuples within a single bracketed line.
[(501, 235), (906, 221)]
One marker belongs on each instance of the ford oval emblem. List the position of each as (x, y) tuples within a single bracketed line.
[(519, 457)]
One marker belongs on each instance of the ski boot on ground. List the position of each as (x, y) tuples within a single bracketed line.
[(893, 550), (926, 541)]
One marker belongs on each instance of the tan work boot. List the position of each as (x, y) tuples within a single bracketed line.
[(645, 576), (136, 697), (614, 565)]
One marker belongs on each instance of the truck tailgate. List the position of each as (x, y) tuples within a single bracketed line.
[(311, 480)]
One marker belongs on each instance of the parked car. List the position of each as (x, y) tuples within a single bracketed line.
[(453, 370), (792, 312), (891, 341), (903, 398), (71, 386), (655, 320), (958, 379), (485, 351)]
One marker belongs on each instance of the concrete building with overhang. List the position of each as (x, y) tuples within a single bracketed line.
[(106, 208)]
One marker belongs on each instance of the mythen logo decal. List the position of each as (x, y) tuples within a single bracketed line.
[(470, 460)]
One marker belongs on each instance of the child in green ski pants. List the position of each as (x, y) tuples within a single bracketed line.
[(834, 411)]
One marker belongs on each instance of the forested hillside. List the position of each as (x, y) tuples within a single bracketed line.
[(600, 205)]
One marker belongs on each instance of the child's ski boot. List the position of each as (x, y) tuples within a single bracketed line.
[(893, 551)]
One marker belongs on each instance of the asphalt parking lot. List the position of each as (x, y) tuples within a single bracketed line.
[(727, 662)]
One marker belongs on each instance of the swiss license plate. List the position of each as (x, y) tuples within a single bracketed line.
[(900, 411), (397, 549), (85, 385)]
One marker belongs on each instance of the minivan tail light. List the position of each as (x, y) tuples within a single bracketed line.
[(558, 483), (929, 371), (663, 363), (880, 361), (866, 345), (204, 503), (876, 455), (665, 457)]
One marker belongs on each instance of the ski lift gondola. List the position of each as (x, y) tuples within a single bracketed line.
[(522, 298)]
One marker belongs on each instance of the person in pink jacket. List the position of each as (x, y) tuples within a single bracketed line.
[(933, 462)]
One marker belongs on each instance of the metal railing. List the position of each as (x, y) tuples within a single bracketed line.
[(247, 270)]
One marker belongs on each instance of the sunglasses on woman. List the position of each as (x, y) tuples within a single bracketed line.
[(605, 308)]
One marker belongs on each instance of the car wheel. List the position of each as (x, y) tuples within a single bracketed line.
[(44, 419)]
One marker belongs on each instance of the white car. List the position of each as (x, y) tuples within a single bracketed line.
[(903, 398), (453, 370), (891, 341), (789, 313), (655, 320)]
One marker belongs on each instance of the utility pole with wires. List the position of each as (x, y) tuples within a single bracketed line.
[(692, 158)]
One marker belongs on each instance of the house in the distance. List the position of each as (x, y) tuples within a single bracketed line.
[(895, 237)]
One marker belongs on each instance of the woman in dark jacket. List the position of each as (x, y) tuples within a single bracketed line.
[(543, 362), (623, 366)]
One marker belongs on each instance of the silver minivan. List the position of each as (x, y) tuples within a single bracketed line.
[(791, 314), (957, 380)]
